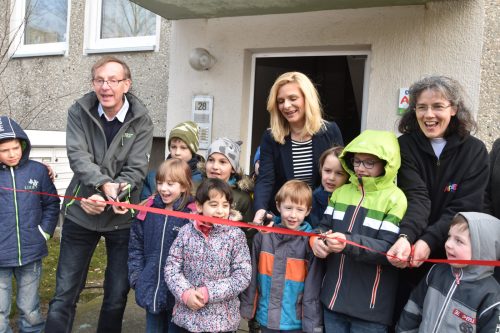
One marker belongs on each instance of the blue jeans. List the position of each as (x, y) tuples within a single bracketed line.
[(340, 323), (160, 323), (77, 247), (28, 302)]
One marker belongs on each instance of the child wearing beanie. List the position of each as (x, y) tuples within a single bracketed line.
[(223, 162), (183, 143)]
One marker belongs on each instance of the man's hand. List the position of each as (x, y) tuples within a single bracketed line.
[(93, 205), (398, 255), (195, 300), (111, 190), (421, 252)]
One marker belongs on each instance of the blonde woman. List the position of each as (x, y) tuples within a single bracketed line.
[(298, 135)]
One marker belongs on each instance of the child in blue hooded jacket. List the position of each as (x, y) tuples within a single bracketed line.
[(28, 220)]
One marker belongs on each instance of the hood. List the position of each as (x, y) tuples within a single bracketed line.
[(9, 129), (484, 232), (304, 226), (382, 144)]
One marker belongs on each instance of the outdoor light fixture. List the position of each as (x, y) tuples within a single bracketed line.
[(201, 60)]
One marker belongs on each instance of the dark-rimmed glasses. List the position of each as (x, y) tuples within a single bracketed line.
[(368, 164)]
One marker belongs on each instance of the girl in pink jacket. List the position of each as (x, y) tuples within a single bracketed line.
[(209, 266)]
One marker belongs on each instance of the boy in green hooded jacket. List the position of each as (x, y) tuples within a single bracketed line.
[(360, 284)]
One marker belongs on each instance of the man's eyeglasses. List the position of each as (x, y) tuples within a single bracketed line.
[(435, 107), (111, 83), (368, 164)]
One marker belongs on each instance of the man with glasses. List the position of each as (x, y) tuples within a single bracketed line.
[(109, 137)]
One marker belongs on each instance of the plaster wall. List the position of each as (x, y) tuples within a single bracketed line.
[(489, 112), (38, 91), (404, 43)]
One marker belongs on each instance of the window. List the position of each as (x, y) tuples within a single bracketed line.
[(120, 26), (39, 27)]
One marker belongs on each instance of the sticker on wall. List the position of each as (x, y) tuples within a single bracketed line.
[(404, 100)]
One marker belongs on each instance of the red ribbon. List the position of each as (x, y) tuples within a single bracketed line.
[(283, 231)]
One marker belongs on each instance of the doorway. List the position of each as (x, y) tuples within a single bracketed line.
[(339, 80)]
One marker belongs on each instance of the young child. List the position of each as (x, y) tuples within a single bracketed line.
[(223, 162), (286, 278), (359, 288), (332, 177), (209, 265), (183, 143), (456, 297), (151, 237), (28, 221)]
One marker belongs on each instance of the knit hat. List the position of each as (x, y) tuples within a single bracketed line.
[(188, 132), (229, 148)]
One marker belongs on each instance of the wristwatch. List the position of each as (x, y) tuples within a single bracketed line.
[(405, 236)]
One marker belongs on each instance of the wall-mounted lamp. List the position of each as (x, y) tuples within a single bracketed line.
[(201, 60)]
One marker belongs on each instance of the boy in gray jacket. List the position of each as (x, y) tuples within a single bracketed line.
[(459, 297), (108, 138)]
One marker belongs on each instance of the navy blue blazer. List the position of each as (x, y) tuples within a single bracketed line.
[(276, 164)]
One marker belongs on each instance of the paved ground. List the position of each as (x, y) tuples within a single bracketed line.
[(133, 321)]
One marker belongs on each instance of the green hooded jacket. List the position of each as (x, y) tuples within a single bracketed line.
[(359, 282)]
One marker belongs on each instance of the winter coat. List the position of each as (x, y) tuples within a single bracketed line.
[(25, 216), (276, 163), (94, 163), (358, 282), (319, 203), (492, 197), (221, 263), (149, 186), (241, 188), (437, 189), (286, 278), (151, 236), (459, 299)]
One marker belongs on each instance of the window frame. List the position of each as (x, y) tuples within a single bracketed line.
[(17, 28), (94, 44)]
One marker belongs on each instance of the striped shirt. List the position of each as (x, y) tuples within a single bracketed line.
[(302, 155)]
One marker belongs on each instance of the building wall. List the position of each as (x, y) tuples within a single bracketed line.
[(37, 91), (404, 42), (489, 114)]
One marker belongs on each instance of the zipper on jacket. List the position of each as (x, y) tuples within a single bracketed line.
[(375, 286), (342, 257), (17, 216), (159, 262), (453, 287), (73, 199)]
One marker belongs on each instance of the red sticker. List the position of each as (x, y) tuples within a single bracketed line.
[(464, 317)]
